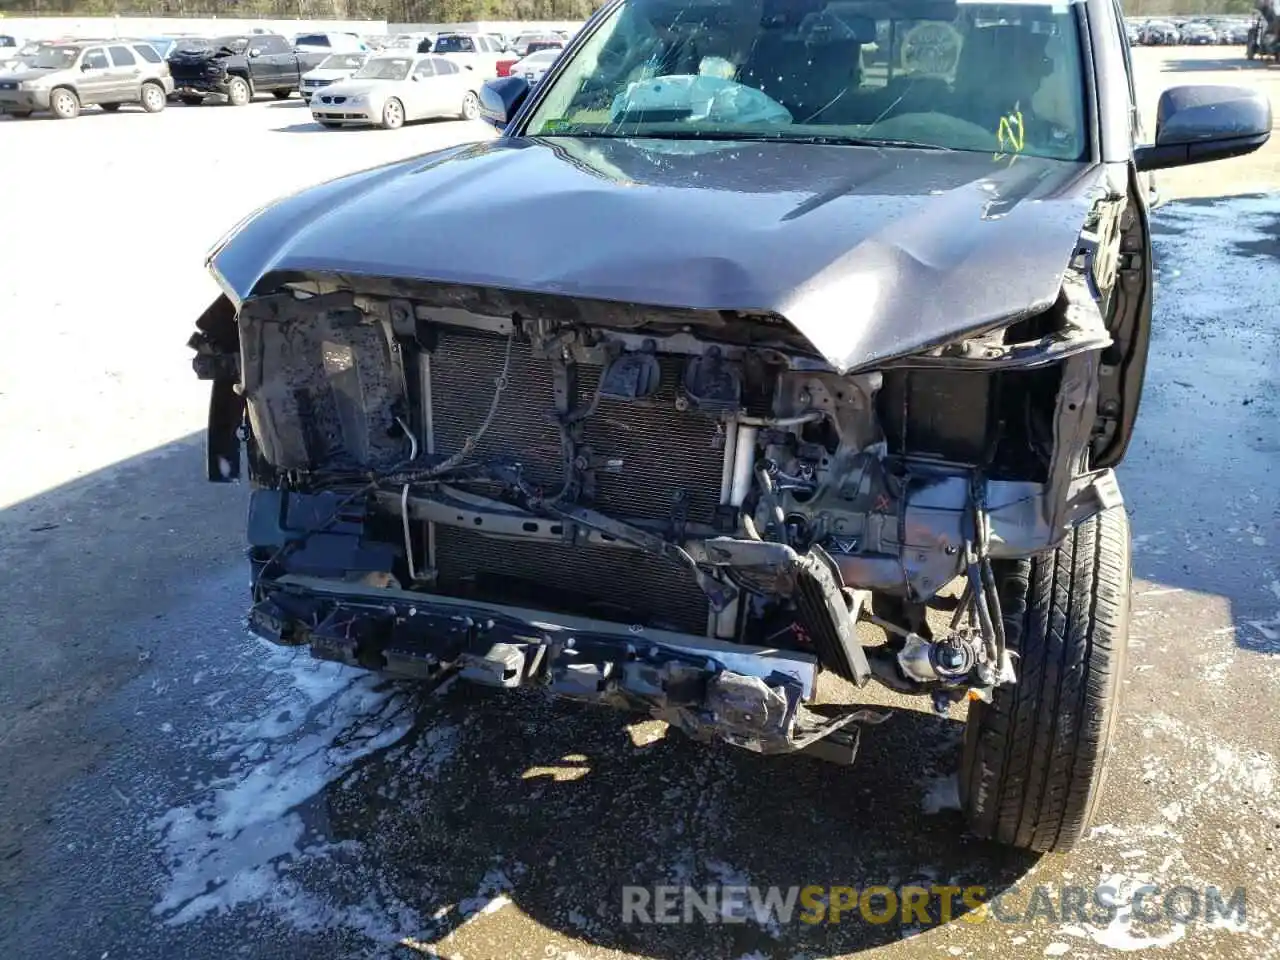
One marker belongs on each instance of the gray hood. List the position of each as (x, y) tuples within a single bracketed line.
[(869, 253)]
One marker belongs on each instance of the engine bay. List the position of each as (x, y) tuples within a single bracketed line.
[(695, 475)]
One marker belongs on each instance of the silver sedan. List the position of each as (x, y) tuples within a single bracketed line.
[(390, 90)]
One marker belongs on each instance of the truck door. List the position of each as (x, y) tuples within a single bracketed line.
[(275, 65)]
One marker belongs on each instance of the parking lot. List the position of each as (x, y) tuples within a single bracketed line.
[(171, 787)]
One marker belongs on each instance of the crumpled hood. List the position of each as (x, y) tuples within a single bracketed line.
[(867, 252), (197, 54)]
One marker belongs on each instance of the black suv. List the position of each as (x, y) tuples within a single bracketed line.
[(816, 333), (238, 67)]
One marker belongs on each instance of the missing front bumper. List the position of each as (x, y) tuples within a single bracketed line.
[(752, 697)]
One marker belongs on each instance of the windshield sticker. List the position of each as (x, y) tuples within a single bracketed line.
[(1011, 136), (557, 125), (931, 49)]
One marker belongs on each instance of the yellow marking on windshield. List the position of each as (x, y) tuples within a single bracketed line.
[(1011, 135)]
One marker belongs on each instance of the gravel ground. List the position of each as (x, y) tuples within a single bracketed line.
[(171, 786)]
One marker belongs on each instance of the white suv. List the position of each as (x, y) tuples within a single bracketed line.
[(329, 43), (478, 53)]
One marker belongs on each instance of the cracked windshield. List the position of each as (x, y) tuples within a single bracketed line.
[(1004, 77)]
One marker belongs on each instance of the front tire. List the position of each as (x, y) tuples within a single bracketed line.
[(393, 114), (64, 104), (470, 107), (238, 92), (1035, 758)]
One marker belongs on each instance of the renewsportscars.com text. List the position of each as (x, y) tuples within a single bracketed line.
[(817, 904)]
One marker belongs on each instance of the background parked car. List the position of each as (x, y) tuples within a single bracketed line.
[(336, 66), (165, 45), (1159, 32), (1239, 33), (535, 66), (340, 42), (388, 91), (481, 54), (61, 78), (506, 64), (405, 42), (238, 67), (523, 44), (1197, 33)]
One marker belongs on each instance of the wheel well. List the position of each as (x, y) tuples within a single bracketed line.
[(67, 87)]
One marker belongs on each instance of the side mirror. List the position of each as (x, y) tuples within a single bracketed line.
[(255, 52), (1203, 122), (501, 98), (86, 67)]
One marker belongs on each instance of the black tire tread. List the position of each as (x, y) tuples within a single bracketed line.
[(1035, 757)]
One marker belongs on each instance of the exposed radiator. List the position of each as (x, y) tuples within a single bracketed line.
[(607, 583), (663, 452)]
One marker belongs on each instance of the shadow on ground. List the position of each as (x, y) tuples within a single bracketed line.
[(554, 806), (314, 126), (1206, 65), (121, 545)]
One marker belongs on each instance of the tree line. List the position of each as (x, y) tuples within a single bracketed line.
[(437, 11), (393, 11)]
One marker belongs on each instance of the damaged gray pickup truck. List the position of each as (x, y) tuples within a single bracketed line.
[(768, 339)]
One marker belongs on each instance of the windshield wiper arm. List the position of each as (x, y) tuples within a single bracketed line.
[(727, 136), (841, 141)]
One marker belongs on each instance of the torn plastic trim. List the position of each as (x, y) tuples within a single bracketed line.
[(751, 697), (216, 343), (540, 626), (1071, 340)]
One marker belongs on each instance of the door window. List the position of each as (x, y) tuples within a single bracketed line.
[(277, 45), (444, 66), (95, 59), (147, 53), (424, 68), (121, 57)]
